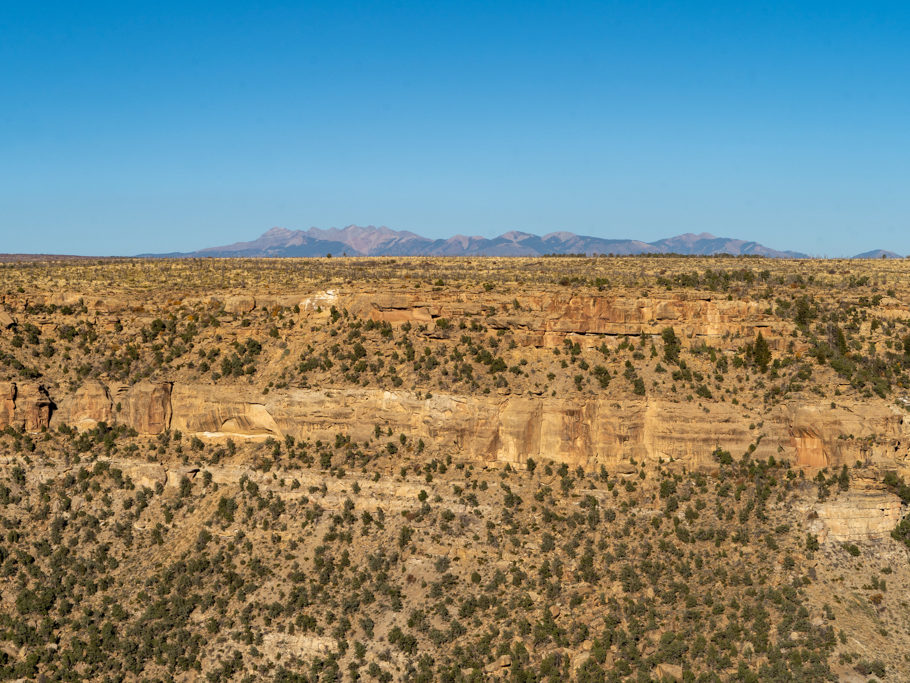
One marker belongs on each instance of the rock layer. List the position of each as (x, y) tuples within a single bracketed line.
[(541, 319), (860, 515), (146, 406), (25, 406), (546, 319), (507, 429)]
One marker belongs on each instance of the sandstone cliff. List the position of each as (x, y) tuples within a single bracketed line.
[(542, 319), (546, 319), (506, 429), (860, 514), (24, 406)]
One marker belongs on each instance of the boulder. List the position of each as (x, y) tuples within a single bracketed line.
[(6, 320), (239, 304), (500, 663), (666, 671)]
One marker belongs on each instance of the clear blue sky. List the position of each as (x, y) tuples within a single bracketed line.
[(128, 127)]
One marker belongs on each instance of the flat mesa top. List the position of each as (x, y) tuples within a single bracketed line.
[(732, 275)]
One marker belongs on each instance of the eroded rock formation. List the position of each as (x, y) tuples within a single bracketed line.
[(856, 515), (586, 433), (91, 404), (545, 319), (540, 319), (25, 406), (146, 406)]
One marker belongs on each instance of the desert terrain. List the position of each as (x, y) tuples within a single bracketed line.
[(647, 468)]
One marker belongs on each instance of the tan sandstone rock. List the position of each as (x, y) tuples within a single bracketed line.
[(581, 432), (239, 304), (25, 406), (7, 404), (91, 404), (668, 672), (146, 406), (856, 515), (547, 319)]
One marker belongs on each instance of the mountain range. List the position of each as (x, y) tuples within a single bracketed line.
[(357, 240)]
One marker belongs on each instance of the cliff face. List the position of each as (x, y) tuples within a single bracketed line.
[(545, 320), (579, 429), (856, 515), (586, 433), (479, 370), (24, 406), (146, 406), (539, 319), (619, 436)]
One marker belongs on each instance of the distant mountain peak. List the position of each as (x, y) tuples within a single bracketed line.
[(369, 240), (516, 235), (561, 235), (277, 232), (878, 253)]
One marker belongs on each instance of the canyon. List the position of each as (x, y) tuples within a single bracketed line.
[(505, 427), (730, 428)]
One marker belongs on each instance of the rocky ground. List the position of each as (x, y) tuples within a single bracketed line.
[(455, 469)]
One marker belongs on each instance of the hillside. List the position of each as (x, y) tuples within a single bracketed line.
[(427, 469)]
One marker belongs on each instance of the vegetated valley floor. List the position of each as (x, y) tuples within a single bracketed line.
[(591, 469)]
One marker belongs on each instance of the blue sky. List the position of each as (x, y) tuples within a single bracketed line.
[(128, 127)]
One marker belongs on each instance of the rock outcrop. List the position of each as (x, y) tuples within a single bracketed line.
[(540, 319), (25, 406), (857, 515), (823, 436), (239, 304), (91, 404), (215, 412), (6, 320), (147, 406), (545, 320), (507, 429), (7, 404)]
